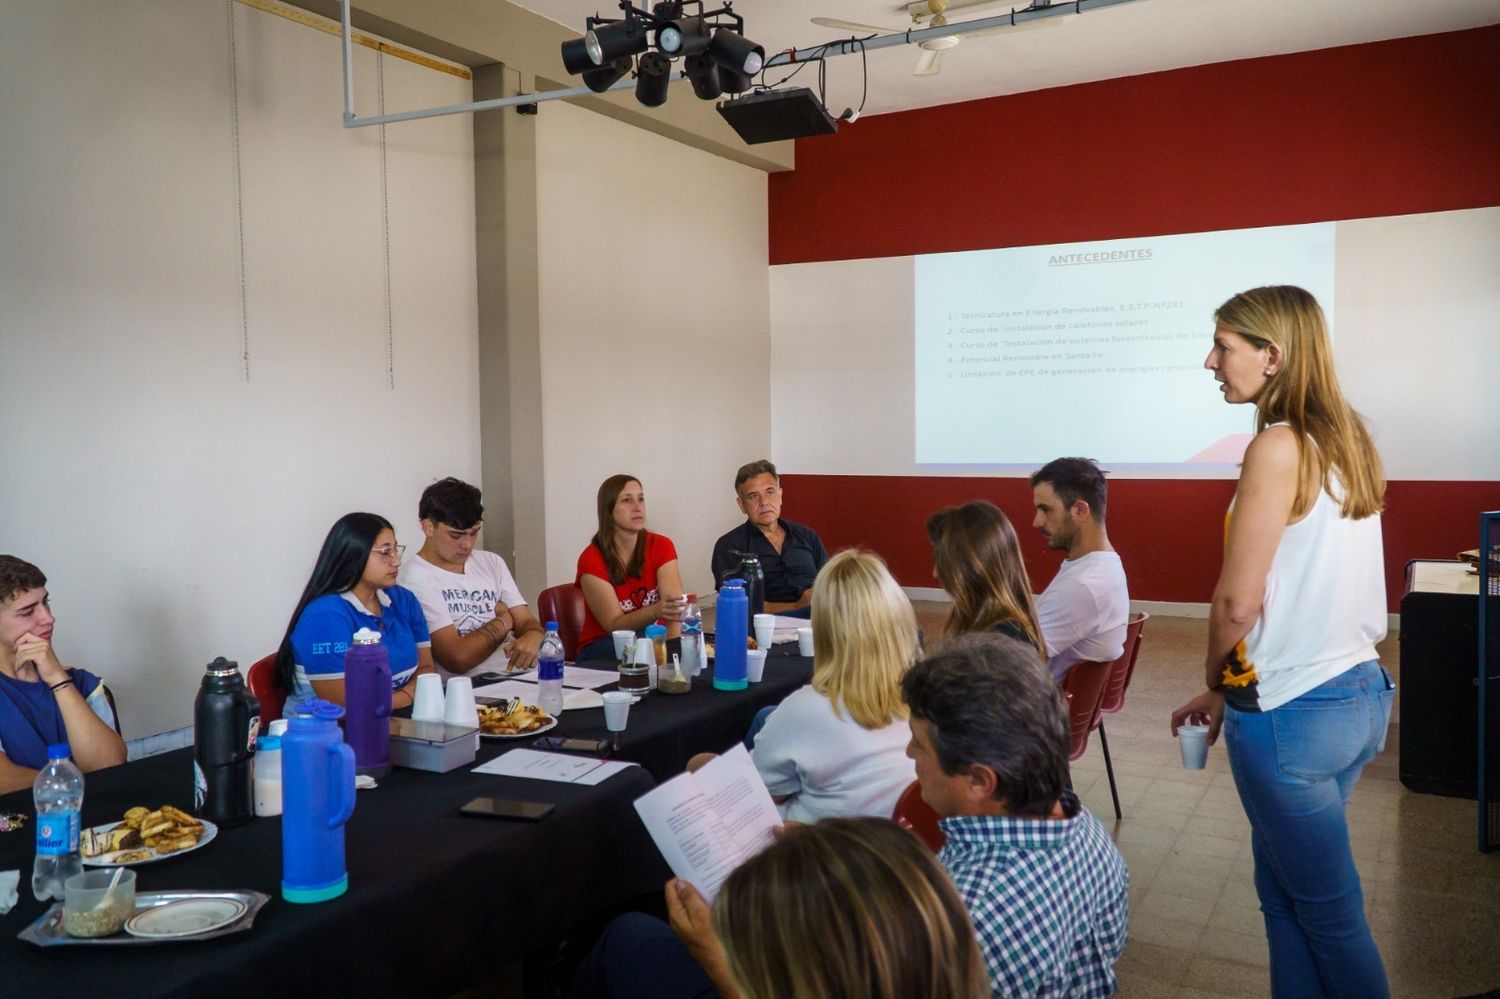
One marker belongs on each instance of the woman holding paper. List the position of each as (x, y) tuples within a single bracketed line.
[(977, 558), (837, 746), (628, 574), (1291, 670)]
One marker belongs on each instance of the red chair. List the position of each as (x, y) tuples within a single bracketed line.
[(1120, 672), (261, 680), (917, 815), (564, 604), (1084, 686)]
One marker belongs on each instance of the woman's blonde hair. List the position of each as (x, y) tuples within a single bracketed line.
[(848, 907), (865, 633), (1304, 393), (978, 560)]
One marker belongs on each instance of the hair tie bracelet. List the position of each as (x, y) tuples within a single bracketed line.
[(60, 683)]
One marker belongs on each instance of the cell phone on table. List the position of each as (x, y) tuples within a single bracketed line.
[(507, 808), (570, 745)]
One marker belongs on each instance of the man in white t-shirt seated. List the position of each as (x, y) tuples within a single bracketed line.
[(468, 595), (1082, 612)]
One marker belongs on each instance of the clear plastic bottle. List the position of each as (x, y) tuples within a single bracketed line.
[(549, 672), (58, 793), (693, 659)]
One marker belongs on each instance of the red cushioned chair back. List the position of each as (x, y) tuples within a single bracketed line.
[(1123, 668), (564, 604), (261, 680), (915, 814), (1084, 686)]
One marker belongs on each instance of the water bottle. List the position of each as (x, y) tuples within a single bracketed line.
[(58, 792), (755, 588), (367, 703), (317, 783), (692, 637), (732, 637), (226, 720), (549, 672)]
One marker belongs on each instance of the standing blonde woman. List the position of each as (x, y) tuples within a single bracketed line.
[(838, 745), (1291, 668), (978, 560)]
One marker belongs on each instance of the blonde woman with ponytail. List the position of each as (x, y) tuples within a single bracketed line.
[(1291, 670)]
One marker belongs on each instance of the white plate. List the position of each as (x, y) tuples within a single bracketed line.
[(520, 735), (187, 918), (105, 859)]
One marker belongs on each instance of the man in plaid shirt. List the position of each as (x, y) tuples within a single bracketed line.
[(1043, 882)]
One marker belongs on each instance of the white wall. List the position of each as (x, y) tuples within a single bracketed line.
[(654, 301), (176, 505), (1415, 295)]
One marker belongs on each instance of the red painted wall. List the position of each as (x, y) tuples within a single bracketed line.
[(1389, 128)]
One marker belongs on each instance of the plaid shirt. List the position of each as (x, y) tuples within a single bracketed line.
[(1047, 897)]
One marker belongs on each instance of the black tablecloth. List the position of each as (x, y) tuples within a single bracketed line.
[(437, 900)]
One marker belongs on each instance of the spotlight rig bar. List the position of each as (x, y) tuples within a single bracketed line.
[(716, 56)]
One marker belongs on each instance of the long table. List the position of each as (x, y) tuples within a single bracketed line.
[(437, 901)]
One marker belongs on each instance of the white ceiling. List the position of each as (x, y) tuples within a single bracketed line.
[(1140, 37)]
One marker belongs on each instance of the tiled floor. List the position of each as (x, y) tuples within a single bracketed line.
[(1195, 926)]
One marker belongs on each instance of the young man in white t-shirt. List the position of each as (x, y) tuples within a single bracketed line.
[(468, 596), (1083, 611)]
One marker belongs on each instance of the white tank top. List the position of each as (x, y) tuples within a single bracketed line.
[(1324, 609)]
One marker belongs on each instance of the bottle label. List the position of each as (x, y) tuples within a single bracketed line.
[(57, 833), (200, 787), (254, 733)]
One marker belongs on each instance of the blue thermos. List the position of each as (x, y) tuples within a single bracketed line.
[(317, 788), (367, 703), (731, 638)]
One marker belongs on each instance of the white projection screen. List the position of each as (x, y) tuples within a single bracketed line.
[(995, 361)]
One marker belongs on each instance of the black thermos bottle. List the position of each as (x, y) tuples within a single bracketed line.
[(226, 720), (755, 589)]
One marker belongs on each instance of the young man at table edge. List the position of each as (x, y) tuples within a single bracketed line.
[(790, 553), (468, 596), (41, 700)]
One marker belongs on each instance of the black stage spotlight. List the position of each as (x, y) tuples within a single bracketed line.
[(653, 75), (703, 73), (601, 78), (734, 51), (608, 42), (732, 82), (683, 37), (575, 56)]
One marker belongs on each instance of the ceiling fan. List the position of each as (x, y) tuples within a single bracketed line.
[(930, 61)]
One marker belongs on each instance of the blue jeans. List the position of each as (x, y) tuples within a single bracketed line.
[(1295, 767)]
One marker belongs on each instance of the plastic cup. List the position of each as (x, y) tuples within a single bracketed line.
[(765, 629), (805, 642), (755, 665), (85, 911), (459, 707), (1193, 741), (623, 641), (428, 704), (616, 709)]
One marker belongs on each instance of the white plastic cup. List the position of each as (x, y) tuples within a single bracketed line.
[(623, 641), (427, 701), (459, 708), (805, 642), (765, 629), (1193, 741), (616, 709), (755, 665)]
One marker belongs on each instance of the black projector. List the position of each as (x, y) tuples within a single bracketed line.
[(774, 115)]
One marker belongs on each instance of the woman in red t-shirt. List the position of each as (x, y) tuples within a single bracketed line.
[(628, 575)]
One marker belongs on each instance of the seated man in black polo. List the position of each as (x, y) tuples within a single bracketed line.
[(790, 554)]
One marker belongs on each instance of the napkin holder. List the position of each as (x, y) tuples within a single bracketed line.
[(434, 746)]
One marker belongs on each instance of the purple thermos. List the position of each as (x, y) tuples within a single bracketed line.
[(317, 791), (367, 701)]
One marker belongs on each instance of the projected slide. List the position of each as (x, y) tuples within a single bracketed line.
[(1093, 349)]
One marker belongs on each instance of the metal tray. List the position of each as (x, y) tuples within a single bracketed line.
[(47, 931)]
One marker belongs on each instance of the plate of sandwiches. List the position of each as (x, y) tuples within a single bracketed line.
[(144, 836)]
